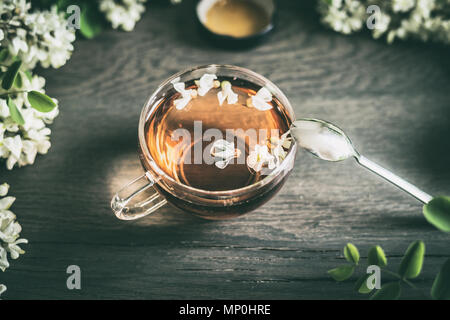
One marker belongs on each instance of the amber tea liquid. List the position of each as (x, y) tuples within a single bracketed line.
[(176, 156)]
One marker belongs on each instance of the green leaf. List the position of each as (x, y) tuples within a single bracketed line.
[(4, 54), (41, 102), (351, 253), (10, 75), (342, 273), (29, 74), (437, 212), (361, 285), (18, 83), (389, 291), (377, 257), (90, 23), (412, 261), (441, 285), (15, 113)]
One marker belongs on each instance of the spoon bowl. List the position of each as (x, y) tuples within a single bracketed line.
[(323, 139)]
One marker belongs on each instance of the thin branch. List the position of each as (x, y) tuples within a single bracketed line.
[(12, 92)]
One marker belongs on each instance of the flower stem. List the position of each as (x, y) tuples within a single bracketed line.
[(12, 92)]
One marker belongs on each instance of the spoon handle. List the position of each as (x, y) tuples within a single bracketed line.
[(394, 179)]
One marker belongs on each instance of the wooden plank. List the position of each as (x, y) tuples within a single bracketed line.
[(392, 100)]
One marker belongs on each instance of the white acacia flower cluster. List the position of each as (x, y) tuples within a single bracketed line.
[(345, 16), (269, 155), (9, 232), (19, 144), (123, 13), (38, 36), (426, 20)]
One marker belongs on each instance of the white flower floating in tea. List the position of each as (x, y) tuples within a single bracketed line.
[(227, 93), (223, 152), (186, 95), (206, 83), (270, 155), (261, 157), (261, 100), (279, 146)]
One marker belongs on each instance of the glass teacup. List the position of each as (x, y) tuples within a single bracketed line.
[(160, 185)]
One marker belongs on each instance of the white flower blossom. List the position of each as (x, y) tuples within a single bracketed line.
[(2, 289), (123, 13), (223, 152), (227, 93), (343, 16), (261, 100), (261, 157), (9, 231), (278, 147), (38, 36), (186, 95), (206, 83)]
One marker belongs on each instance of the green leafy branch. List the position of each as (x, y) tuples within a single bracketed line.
[(12, 84), (410, 268)]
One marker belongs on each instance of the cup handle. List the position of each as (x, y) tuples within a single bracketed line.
[(128, 206)]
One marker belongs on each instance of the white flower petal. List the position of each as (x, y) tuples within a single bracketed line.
[(260, 157), (227, 93), (260, 104), (3, 259), (11, 161), (4, 110), (264, 94), (206, 83), (4, 189), (261, 100), (14, 145), (182, 102), (222, 97), (2, 289), (222, 164), (6, 202), (186, 95), (223, 152)]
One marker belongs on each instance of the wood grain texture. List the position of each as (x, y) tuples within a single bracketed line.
[(392, 100)]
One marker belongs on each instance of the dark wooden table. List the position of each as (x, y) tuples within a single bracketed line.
[(392, 100)]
